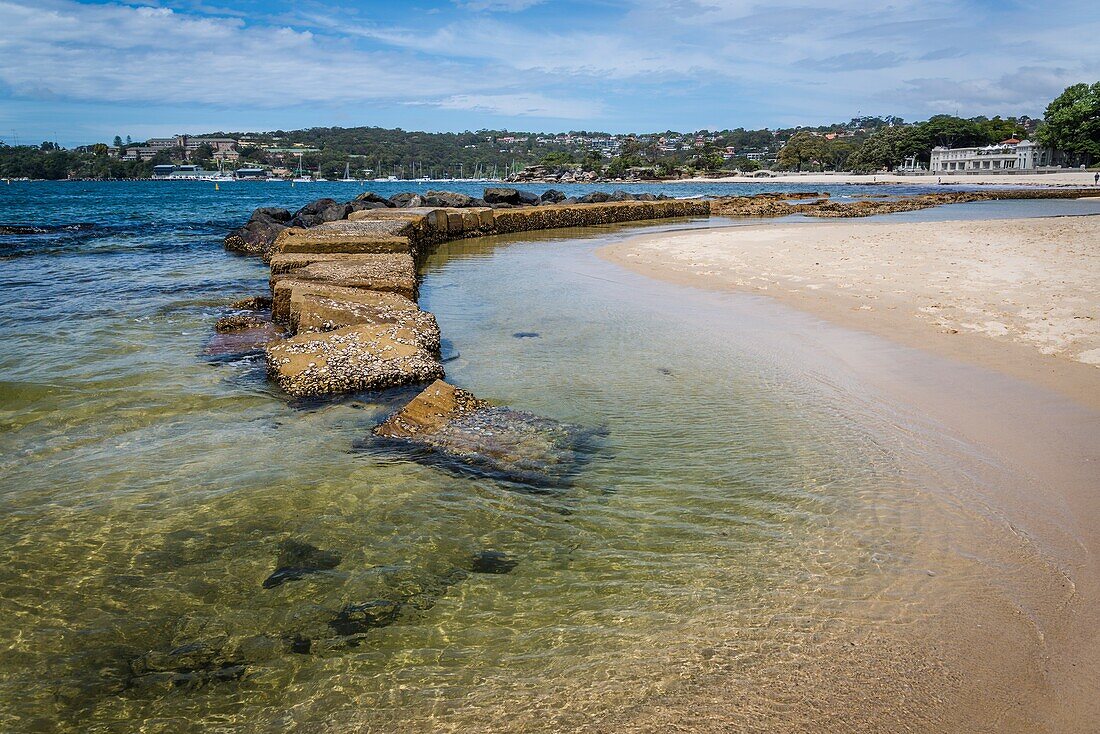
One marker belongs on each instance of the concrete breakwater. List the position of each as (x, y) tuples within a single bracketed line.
[(345, 290)]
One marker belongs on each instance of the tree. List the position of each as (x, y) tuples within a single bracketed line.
[(802, 147), (118, 141), (887, 148), (202, 155), (1072, 121)]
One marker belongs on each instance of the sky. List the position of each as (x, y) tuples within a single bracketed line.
[(83, 72)]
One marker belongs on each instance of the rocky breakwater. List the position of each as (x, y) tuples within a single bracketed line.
[(343, 315), (813, 204)]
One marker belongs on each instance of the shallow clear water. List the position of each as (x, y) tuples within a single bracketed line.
[(738, 500)]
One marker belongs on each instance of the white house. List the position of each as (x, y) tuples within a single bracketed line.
[(1007, 155)]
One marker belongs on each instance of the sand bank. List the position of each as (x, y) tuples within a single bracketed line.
[(1017, 295), (1068, 178)]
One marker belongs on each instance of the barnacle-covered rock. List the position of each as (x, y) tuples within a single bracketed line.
[(361, 357)]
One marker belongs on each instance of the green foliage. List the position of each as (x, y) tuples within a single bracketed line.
[(1072, 121), (557, 159), (202, 155), (801, 148), (746, 165)]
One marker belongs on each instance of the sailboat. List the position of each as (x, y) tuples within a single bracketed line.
[(347, 175), (299, 176)]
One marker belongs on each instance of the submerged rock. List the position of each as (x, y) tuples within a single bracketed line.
[(356, 619), (242, 340), (447, 426), (189, 666), (491, 561), (297, 559)]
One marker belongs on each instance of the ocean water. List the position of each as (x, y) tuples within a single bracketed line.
[(740, 505)]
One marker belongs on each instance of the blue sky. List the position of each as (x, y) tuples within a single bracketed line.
[(81, 72)]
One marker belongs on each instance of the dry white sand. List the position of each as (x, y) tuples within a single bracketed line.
[(1022, 295), (1066, 178)]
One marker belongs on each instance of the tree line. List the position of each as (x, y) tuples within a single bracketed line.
[(1071, 123)]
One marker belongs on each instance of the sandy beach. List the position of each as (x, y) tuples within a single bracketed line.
[(1017, 295), (1004, 317), (1062, 178)]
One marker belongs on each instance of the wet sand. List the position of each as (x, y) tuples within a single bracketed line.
[(1015, 295), (1000, 634)]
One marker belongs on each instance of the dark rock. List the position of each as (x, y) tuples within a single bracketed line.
[(358, 206), (240, 322), (272, 212), (596, 197), (316, 206), (645, 197), (552, 196), (500, 195), (526, 335), (448, 199), (319, 212), (369, 197), (568, 200), (620, 195), (297, 559), (301, 645), (258, 235), (406, 199), (491, 561), (357, 619), (253, 303), (526, 198)]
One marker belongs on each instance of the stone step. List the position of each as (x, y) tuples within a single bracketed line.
[(320, 312), (361, 357), (393, 273), (324, 240)]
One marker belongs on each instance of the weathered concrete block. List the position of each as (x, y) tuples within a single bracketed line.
[(392, 273), (342, 236), (328, 312), (361, 357), (454, 223), (449, 426)]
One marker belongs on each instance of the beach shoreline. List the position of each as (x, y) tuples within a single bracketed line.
[(1014, 650), (1062, 178), (984, 292)]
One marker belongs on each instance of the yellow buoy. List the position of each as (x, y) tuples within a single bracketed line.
[(216, 187)]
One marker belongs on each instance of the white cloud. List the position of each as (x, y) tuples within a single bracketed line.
[(506, 6), (526, 104), (140, 54)]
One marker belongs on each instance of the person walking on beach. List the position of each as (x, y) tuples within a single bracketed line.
[(1096, 179)]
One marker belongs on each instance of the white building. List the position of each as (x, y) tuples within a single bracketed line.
[(1008, 155)]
